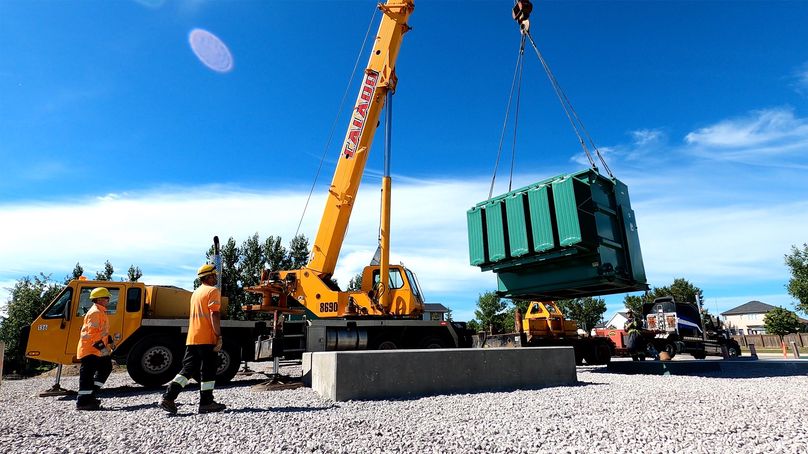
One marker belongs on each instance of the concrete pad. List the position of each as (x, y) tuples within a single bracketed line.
[(730, 368), (390, 374)]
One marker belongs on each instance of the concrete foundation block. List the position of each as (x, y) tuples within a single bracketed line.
[(391, 374)]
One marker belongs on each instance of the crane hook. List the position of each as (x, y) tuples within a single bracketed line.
[(521, 14)]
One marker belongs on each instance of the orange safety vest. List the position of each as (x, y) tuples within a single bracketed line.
[(204, 302), (94, 329)]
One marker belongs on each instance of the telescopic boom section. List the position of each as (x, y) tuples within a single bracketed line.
[(379, 78)]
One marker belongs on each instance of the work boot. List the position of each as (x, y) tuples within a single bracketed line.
[(211, 407), (168, 405)]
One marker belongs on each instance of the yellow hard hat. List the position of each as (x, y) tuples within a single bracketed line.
[(205, 270), (99, 292)]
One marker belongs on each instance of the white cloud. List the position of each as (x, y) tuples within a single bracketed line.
[(715, 225), (642, 137), (166, 232), (770, 137)]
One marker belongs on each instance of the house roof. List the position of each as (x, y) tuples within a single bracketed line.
[(435, 307), (752, 307)]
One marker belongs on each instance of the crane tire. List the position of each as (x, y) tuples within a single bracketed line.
[(154, 360)]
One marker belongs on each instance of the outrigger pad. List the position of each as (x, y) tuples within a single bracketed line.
[(569, 236), (57, 390)]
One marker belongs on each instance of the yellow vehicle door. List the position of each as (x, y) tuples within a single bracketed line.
[(49, 332), (114, 313), (404, 291)]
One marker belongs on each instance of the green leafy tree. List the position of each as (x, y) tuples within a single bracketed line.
[(28, 299), (588, 311), (105, 275), (230, 255), (491, 312), (449, 314), (681, 290), (78, 271), (251, 264), (633, 303), (275, 254), (355, 283), (797, 287), (780, 322), (134, 273), (474, 326), (299, 251)]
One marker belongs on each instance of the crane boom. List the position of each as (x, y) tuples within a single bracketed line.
[(379, 78)]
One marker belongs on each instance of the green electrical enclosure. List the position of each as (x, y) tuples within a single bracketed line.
[(570, 236)]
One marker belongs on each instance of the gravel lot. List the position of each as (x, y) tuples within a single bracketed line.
[(606, 413)]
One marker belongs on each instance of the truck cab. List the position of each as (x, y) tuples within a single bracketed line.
[(55, 333), (676, 327)]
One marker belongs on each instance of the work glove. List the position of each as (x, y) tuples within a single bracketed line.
[(102, 348), (218, 346)]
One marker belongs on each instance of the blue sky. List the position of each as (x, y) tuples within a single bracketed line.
[(117, 143)]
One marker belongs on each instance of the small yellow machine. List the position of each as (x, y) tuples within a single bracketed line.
[(545, 325)]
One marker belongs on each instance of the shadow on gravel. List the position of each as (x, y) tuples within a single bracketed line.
[(131, 407), (737, 368), (278, 409)]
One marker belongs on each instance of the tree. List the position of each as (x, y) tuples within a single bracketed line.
[(449, 314), (105, 275), (474, 326), (229, 279), (633, 303), (251, 263), (780, 322), (275, 254), (681, 290), (28, 299), (490, 312), (355, 283), (134, 273), (299, 251), (588, 311), (797, 287), (78, 271)]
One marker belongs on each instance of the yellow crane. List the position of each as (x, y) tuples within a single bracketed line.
[(386, 290)]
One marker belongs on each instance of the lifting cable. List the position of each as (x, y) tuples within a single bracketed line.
[(507, 112), (516, 114), (570, 111), (336, 118)]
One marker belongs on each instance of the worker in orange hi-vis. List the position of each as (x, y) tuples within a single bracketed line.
[(94, 350), (203, 342)]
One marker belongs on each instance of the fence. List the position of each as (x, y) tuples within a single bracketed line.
[(770, 340)]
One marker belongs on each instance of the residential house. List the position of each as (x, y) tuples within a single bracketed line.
[(618, 320), (435, 311), (748, 318)]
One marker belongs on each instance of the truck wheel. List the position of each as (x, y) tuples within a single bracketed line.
[(699, 355), (154, 360), (603, 354), (227, 362), (669, 348), (383, 343), (733, 350), (431, 342)]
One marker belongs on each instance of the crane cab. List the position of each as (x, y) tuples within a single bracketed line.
[(406, 298)]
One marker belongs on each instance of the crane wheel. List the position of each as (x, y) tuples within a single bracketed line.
[(431, 342), (154, 360)]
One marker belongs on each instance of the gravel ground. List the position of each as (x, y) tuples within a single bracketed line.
[(606, 413)]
